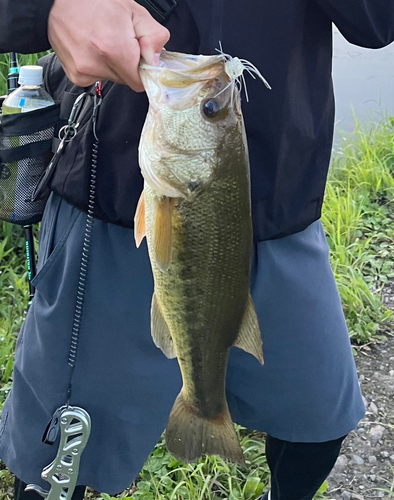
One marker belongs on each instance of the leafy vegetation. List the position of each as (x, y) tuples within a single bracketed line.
[(209, 479), (358, 218), (5, 64), (13, 299)]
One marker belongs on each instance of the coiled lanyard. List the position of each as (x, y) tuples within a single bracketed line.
[(72, 422)]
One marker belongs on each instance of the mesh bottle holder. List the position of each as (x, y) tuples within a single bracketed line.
[(25, 152)]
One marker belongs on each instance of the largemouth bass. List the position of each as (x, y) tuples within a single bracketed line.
[(195, 211)]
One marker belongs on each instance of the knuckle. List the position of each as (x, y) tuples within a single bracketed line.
[(165, 35), (105, 45), (81, 75), (134, 47), (133, 54), (82, 69), (106, 48), (80, 80), (138, 88)]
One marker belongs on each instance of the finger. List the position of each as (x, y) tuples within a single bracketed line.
[(126, 64), (152, 45), (148, 53), (120, 54), (83, 70), (81, 79), (151, 36)]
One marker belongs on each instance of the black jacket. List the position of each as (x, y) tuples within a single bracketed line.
[(289, 128)]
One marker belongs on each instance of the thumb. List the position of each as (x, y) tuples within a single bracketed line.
[(150, 51), (151, 35)]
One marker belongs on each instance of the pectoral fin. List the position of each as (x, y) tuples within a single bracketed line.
[(139, 221), (249, 338), (163, 232), (160, 332)]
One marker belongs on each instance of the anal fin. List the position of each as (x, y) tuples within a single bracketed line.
[(160, 333), (249, 337)]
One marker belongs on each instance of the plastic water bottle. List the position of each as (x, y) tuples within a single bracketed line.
[(29, 96)]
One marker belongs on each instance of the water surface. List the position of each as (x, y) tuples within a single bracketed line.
[(363, 80)]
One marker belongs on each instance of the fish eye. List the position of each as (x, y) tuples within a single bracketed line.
[(211, 107)]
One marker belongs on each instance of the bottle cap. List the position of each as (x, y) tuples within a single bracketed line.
[(30, 75)]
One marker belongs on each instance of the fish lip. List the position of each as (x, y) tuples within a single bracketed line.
[(180, 56), (196, 71)]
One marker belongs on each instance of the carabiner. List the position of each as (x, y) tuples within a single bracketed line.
[(76, 109), (97, 102)]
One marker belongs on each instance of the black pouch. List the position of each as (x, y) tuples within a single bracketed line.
[(25, 152)]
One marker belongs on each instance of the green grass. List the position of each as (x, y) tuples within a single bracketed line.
[(5, 64), (358, 218), (209, 479), (13, 299)]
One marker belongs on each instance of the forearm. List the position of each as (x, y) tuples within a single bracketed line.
[(368, 23), (23, 25)]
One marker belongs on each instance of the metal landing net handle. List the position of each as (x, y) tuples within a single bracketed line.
[(62, 473)]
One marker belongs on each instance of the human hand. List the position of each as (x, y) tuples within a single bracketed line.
[(104, 40)]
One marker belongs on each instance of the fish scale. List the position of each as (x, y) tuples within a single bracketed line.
[(196, 302)]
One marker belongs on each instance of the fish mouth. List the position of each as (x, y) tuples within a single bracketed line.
[(178, 70), (180, 62)]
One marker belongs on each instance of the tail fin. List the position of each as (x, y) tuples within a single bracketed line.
[(190, 436)]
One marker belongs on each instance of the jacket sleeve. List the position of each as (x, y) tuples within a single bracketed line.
[(23, 25), (368, 23)]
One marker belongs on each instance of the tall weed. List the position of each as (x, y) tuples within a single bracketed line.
[(13, 298), (358, 216)]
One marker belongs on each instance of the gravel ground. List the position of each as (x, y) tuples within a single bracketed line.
[(366, 465)]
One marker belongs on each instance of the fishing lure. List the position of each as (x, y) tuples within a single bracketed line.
[(235, 69)]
